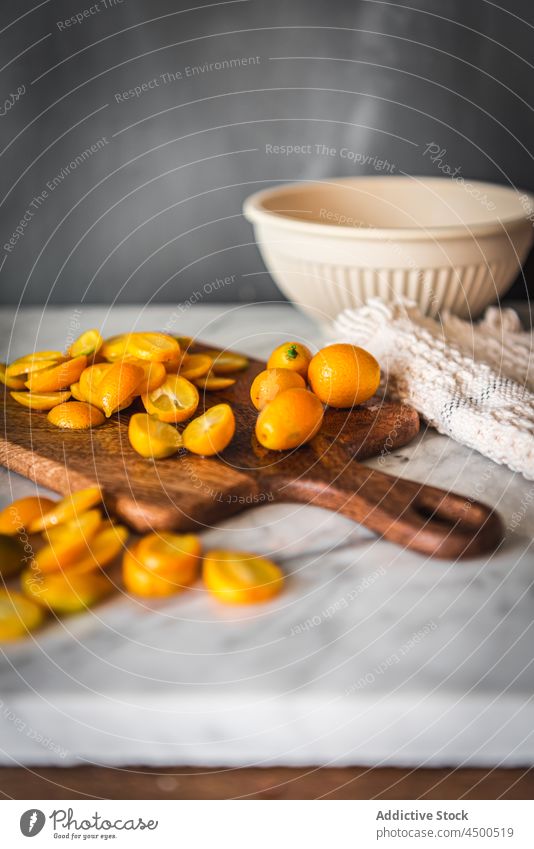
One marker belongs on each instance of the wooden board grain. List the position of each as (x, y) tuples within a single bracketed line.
[(187, 491)]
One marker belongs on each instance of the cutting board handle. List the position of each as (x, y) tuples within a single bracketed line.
[(423, 518)]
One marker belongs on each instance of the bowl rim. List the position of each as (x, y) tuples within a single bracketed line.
[(255, 212)]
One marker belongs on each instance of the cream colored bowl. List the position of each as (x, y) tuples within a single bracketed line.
[(443, 242)]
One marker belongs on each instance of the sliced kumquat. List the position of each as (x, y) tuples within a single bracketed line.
[(154, 374), (40, 400), (114, 348), (237, 577), (141, 581), (34, 362), (156, 347), (89, 379), (168, 552), (68, 508), (86, 345), (228, 362), (18, 516), (103, 548), (72, 591), (76, 415), (18, 615), (76, 392), (67, 542), (10, 382), (214, 384), (152, 438), (176, 400), (56, 377), (195, 365), (210, 433), (117, 386)]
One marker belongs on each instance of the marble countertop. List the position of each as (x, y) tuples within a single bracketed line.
[(373, 654)]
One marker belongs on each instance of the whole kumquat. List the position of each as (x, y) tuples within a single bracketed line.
[(344, 375), (270, 382), (291, 355), (291, 419)]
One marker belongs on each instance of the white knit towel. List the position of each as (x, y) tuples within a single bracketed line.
[(473, 382)]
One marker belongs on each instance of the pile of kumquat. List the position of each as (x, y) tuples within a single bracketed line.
[(97, 378), (65, 555)]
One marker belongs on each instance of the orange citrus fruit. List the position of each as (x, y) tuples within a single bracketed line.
[(21, 513), (227, 362), (10, 382), (103, 548), (141, 581), (152, 438), (76, 415), (56, 377), (269, 383), (214, 384), (291, 355), (68, 508), (193, 366), (343, 375), (12, 555), (119, 384), (210, 433), (237, 577), (157, 347), (88, 344), (18, 615), (290, 420), (168, 552), (72, 591), (68, 542), (40, 400), (34, 362), (174, 401)]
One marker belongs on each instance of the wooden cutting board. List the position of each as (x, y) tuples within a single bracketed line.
[(186, 492)]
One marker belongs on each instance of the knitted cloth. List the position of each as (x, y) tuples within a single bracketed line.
[(473, 382)]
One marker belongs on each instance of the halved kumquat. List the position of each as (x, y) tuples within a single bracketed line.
[(152, 438), (210, 433), (19, 515), (34, 362), (10, 382), (87, 345), (213, 383), (67, 542), (72, 591), (168, 552), (156, 347), (227, 362), (237, 577), (40, 400), (119, 384), (76, 415), (56, 377), (194, 366), (176, 400), (68, 508)]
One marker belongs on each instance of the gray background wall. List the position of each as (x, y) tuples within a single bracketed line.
[(156, 211)]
